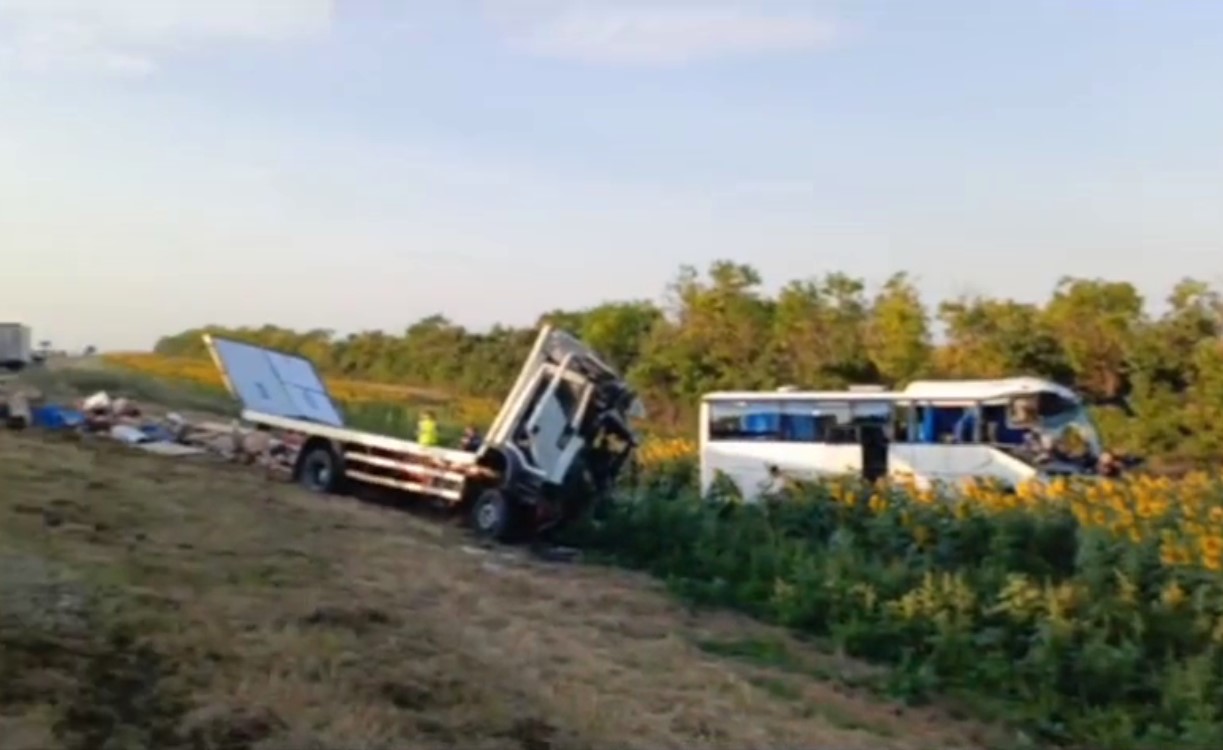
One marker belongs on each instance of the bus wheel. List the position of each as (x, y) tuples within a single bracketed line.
[(318, 469), (494, 516)]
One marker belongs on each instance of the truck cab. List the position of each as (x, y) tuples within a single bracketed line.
[(563, 428)]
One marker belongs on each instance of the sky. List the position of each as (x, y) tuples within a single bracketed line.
[(356, 164)]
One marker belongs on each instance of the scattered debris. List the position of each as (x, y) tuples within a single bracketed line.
[(98, 403), (170, 449), (17, 411), (54, 417), (126, 433), (123, 420)]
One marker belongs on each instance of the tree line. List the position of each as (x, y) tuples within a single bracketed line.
[(1156, 381)]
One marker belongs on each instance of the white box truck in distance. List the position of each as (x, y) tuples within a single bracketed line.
[(15, 351), (560, 440)]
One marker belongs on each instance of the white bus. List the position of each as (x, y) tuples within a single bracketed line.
[(932, 431)]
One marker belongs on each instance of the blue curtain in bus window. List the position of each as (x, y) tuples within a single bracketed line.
[(946, 421), (806, 429), (926, 435), (798, 428), (761, 424)]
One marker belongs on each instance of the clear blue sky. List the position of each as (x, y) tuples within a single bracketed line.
[(361, 163)]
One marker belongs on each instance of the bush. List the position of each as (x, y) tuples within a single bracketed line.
[(1092, 613)]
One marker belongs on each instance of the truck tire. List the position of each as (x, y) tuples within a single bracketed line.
[(320, 469), (494, 516)]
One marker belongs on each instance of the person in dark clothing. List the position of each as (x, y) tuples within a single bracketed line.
[(471, 439)]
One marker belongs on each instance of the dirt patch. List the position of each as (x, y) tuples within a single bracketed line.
[(184, 605)]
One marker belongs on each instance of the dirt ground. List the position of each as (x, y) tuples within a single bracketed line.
[(148, 602)]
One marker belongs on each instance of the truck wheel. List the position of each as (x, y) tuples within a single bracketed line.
[(494, 516), (319, 469)]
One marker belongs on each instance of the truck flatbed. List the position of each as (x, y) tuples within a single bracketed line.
[(414, 464)]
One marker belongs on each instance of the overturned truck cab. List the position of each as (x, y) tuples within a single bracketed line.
[(560, 440)]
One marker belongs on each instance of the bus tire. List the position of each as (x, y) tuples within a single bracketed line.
[(494, 516), (320, 469)]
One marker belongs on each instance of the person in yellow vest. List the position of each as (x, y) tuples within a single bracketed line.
[(426, 429)]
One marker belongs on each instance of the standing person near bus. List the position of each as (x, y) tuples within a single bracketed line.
[(426, 429)]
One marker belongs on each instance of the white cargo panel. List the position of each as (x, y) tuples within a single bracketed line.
[(273, 383)]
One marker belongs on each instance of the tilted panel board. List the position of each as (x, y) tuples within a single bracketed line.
[(275, 383)]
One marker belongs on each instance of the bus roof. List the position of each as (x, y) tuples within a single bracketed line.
[(918, 390), (801, 396), (983, 390)]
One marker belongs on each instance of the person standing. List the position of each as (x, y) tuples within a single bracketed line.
[(471, 439), (426, 429)]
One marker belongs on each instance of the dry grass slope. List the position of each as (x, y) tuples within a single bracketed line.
[(150, 603)]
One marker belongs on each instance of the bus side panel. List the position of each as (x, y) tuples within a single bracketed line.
[(748, 462), (954, 462)]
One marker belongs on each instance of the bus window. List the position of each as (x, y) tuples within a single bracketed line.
[(799, 423), (901, 424), (968, 427), (1022, 413), (939, 424), (997, 429), (795, 421), (744, 420), (871, 412), (813, 421), (1052, 405), (834, 421)]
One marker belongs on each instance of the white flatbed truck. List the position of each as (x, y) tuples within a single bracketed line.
[(561, 437)]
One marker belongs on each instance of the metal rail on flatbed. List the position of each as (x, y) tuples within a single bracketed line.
[(368, 439)]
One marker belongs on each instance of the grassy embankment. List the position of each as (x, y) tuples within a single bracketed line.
[(189, 604), (1088, 614)]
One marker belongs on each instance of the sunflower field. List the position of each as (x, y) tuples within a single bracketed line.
[(1085, 613)]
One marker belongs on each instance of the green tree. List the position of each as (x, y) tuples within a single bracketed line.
[(1096, 322), (898, 331), (989, 338), (819, 333)]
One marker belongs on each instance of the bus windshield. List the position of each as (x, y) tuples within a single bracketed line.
[(1056, 418), (1076, 422)]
